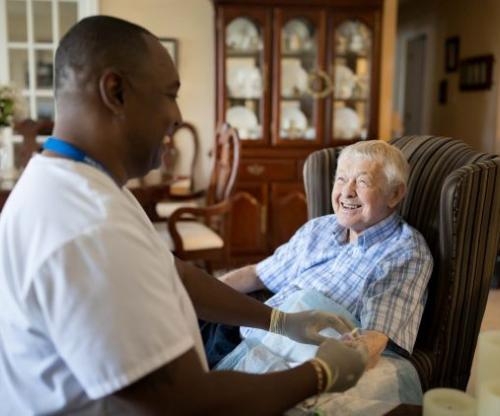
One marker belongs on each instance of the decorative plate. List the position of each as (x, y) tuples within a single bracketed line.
[(243, 78), (241, 118), (357, 35), (347, 124), (296, 36), (242, 34), (345, 80), (293, 121), (293, 78)]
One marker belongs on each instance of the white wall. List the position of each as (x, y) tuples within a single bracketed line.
[(191, 22), (470, 116)]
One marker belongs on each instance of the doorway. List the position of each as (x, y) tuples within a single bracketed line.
[(414, 84)]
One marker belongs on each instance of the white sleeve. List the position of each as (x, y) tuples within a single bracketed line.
[(111, 305)]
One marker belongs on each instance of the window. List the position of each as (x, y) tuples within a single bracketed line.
[(30, 31)]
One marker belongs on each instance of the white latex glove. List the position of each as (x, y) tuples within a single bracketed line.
[(346, 363), (305, 327), (375, 343)]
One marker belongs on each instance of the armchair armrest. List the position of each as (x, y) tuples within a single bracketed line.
[(425, 362)]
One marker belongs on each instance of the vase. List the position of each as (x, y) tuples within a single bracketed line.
[(7, 166)]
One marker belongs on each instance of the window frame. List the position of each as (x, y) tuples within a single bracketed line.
[(32, 93)]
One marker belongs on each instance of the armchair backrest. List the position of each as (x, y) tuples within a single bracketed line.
[(453, 199), (226, 154)]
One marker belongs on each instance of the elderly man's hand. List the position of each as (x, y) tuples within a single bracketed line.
[(375, 343), (305, 326)]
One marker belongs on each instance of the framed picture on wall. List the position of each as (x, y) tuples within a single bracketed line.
[(476, 73), (452, 50), (170, 45), (443, 92)]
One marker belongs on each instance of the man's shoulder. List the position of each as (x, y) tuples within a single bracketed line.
[(411, 234), (62, 188), (329, 220), (60, 203), (410, 240)]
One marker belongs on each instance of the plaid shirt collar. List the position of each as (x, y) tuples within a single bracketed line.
[(376, 233)]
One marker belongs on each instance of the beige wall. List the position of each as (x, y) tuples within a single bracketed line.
[(389, 26), (470, 116), (192, 23)]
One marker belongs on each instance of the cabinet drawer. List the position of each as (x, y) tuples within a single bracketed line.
[(267, 170)]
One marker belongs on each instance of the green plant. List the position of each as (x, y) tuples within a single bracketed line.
[(11, 105)]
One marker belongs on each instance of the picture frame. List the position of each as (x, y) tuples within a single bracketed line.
[(476, 73), (452, 54), (443, 91), (171, 45)]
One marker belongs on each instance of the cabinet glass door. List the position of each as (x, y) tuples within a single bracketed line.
[(351, 70), (246, 75), (301, 84)]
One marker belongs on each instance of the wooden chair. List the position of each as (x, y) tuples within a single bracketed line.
[(179, 159), (202, 233), (453, 200)]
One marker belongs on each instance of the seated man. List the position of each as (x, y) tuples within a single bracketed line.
[(364, 258)]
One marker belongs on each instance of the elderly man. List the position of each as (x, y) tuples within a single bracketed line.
[(97, 316), (364, 257)]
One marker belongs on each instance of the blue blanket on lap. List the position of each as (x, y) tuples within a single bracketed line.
[(394, 380)]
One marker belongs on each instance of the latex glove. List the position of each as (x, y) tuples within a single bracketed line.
[(346, 363), (375, 343), (305, 326)]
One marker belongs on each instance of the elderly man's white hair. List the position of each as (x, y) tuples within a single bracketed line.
[(392, 160)]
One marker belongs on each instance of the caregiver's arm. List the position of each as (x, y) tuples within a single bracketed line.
[(182, 387), (244, 280), (215, 301)]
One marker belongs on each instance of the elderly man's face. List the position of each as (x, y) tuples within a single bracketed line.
[(361, 196)]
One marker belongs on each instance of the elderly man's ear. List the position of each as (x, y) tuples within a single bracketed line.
[(396, 195)]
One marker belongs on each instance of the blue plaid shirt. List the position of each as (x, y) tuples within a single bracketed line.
[(381, 278)]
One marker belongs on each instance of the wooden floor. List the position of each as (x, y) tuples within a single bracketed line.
[(491, 321)]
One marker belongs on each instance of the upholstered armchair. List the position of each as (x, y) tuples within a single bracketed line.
[(453, 199)]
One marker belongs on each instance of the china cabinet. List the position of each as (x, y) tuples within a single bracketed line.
[(292, 77)]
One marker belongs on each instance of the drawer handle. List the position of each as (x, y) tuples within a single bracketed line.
[(255, 169)]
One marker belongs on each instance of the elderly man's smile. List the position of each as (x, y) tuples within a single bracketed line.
[(349, 206)]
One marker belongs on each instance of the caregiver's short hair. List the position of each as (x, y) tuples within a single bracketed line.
[(393, 162)]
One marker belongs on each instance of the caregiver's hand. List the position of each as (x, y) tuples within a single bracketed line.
[(305, 326), (345, 364)]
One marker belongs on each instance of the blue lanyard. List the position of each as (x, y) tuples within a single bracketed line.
[(70, 151)]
